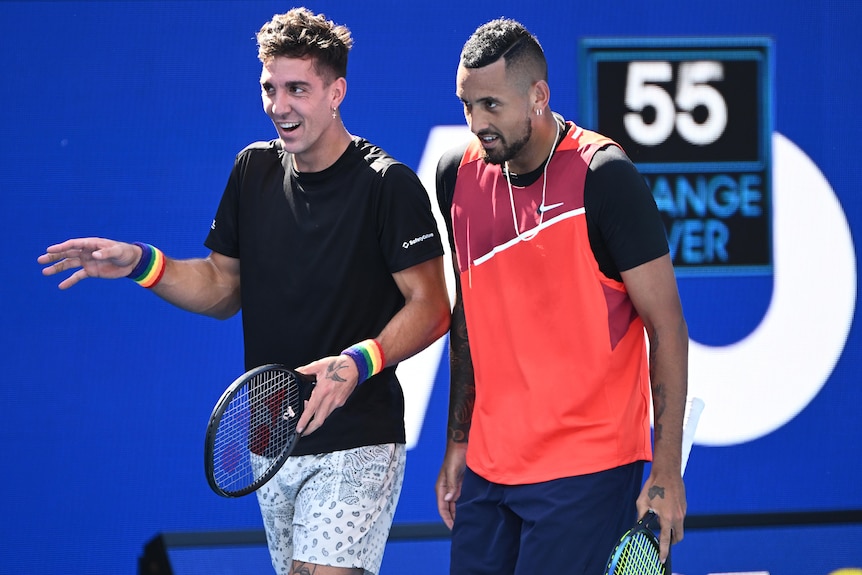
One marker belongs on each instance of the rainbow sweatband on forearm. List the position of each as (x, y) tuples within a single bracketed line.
[(150, 268), (368, 357)]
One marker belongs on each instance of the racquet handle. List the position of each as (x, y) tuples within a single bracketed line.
[(693, 408)]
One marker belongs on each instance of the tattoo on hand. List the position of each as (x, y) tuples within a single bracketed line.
[(333, 368), (655, 491)]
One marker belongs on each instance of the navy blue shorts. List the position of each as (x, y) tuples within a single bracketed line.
[(565, 526)]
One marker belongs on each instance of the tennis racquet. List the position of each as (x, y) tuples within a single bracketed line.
[(637, 552), (252, 429)]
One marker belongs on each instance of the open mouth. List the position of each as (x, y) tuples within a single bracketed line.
[(488, 139)]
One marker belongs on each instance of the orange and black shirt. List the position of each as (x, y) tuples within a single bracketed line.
[(558, 350)]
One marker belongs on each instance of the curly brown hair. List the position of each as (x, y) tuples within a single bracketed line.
[(299, 33)]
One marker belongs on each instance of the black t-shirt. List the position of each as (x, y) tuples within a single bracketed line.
[(623, 222), (317, 252)]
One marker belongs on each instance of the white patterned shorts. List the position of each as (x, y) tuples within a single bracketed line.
[(333, 509)]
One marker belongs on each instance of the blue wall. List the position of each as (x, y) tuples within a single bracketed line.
[(121, 119)]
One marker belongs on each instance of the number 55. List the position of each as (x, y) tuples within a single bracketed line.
[(692, 91)]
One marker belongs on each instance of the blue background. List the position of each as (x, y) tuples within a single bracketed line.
[(121, 119)]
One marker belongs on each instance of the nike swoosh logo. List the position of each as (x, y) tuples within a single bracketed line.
[(543, 208)]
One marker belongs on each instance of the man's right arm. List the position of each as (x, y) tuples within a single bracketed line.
[(207, 286), (462, 395), (462, 390)]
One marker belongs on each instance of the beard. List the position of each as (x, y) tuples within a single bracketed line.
[(508, 151)]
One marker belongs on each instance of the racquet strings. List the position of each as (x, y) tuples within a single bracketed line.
[(638, 556), (257, 425)]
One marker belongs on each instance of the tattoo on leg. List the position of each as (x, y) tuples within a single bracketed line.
[(301, 568)]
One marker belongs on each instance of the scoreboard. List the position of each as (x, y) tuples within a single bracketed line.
[(695, 116)]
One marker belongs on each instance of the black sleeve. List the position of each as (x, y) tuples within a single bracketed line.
[(447, 172), (624, 224), (222, 237), (407, 229)]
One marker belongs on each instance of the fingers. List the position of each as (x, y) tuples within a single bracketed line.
[(664, 544), (324, 400), (678, 535), (446, 503), (671, 533), (448, 486), (73, 279), (447, 513), (61, 262), (94, 257), (72, 248), (319, 408), (306, 416), (89, 248)]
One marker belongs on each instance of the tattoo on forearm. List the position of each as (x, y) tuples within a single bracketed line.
[(333, 368), (659, 391), (659, 400), (462, 391), (655, 491)]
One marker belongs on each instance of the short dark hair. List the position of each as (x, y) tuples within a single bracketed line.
[(299, 33), (508, 39)]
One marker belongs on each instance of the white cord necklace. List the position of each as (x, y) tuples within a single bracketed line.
[(528, 236)]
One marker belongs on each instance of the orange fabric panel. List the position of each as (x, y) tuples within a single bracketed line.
[(558, 352)]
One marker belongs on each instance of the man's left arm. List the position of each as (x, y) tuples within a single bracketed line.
[(423, 319), (653, 291), (425, 315)]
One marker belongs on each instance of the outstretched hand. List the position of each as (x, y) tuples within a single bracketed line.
[(94, 258)]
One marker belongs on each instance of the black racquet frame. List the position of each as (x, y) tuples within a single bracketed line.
[(252, 428)]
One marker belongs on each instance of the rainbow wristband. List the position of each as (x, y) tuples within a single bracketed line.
[(150, 268), (368, 357)]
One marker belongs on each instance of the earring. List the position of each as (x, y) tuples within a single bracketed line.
[(334, 113), (539, 112)]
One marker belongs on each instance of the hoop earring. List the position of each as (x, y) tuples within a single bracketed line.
[(539, 112)]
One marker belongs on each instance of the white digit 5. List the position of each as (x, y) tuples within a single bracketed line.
[(642, 92), (692, 91)]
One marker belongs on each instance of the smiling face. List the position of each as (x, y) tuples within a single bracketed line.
[(302, 105), (497, 110)]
